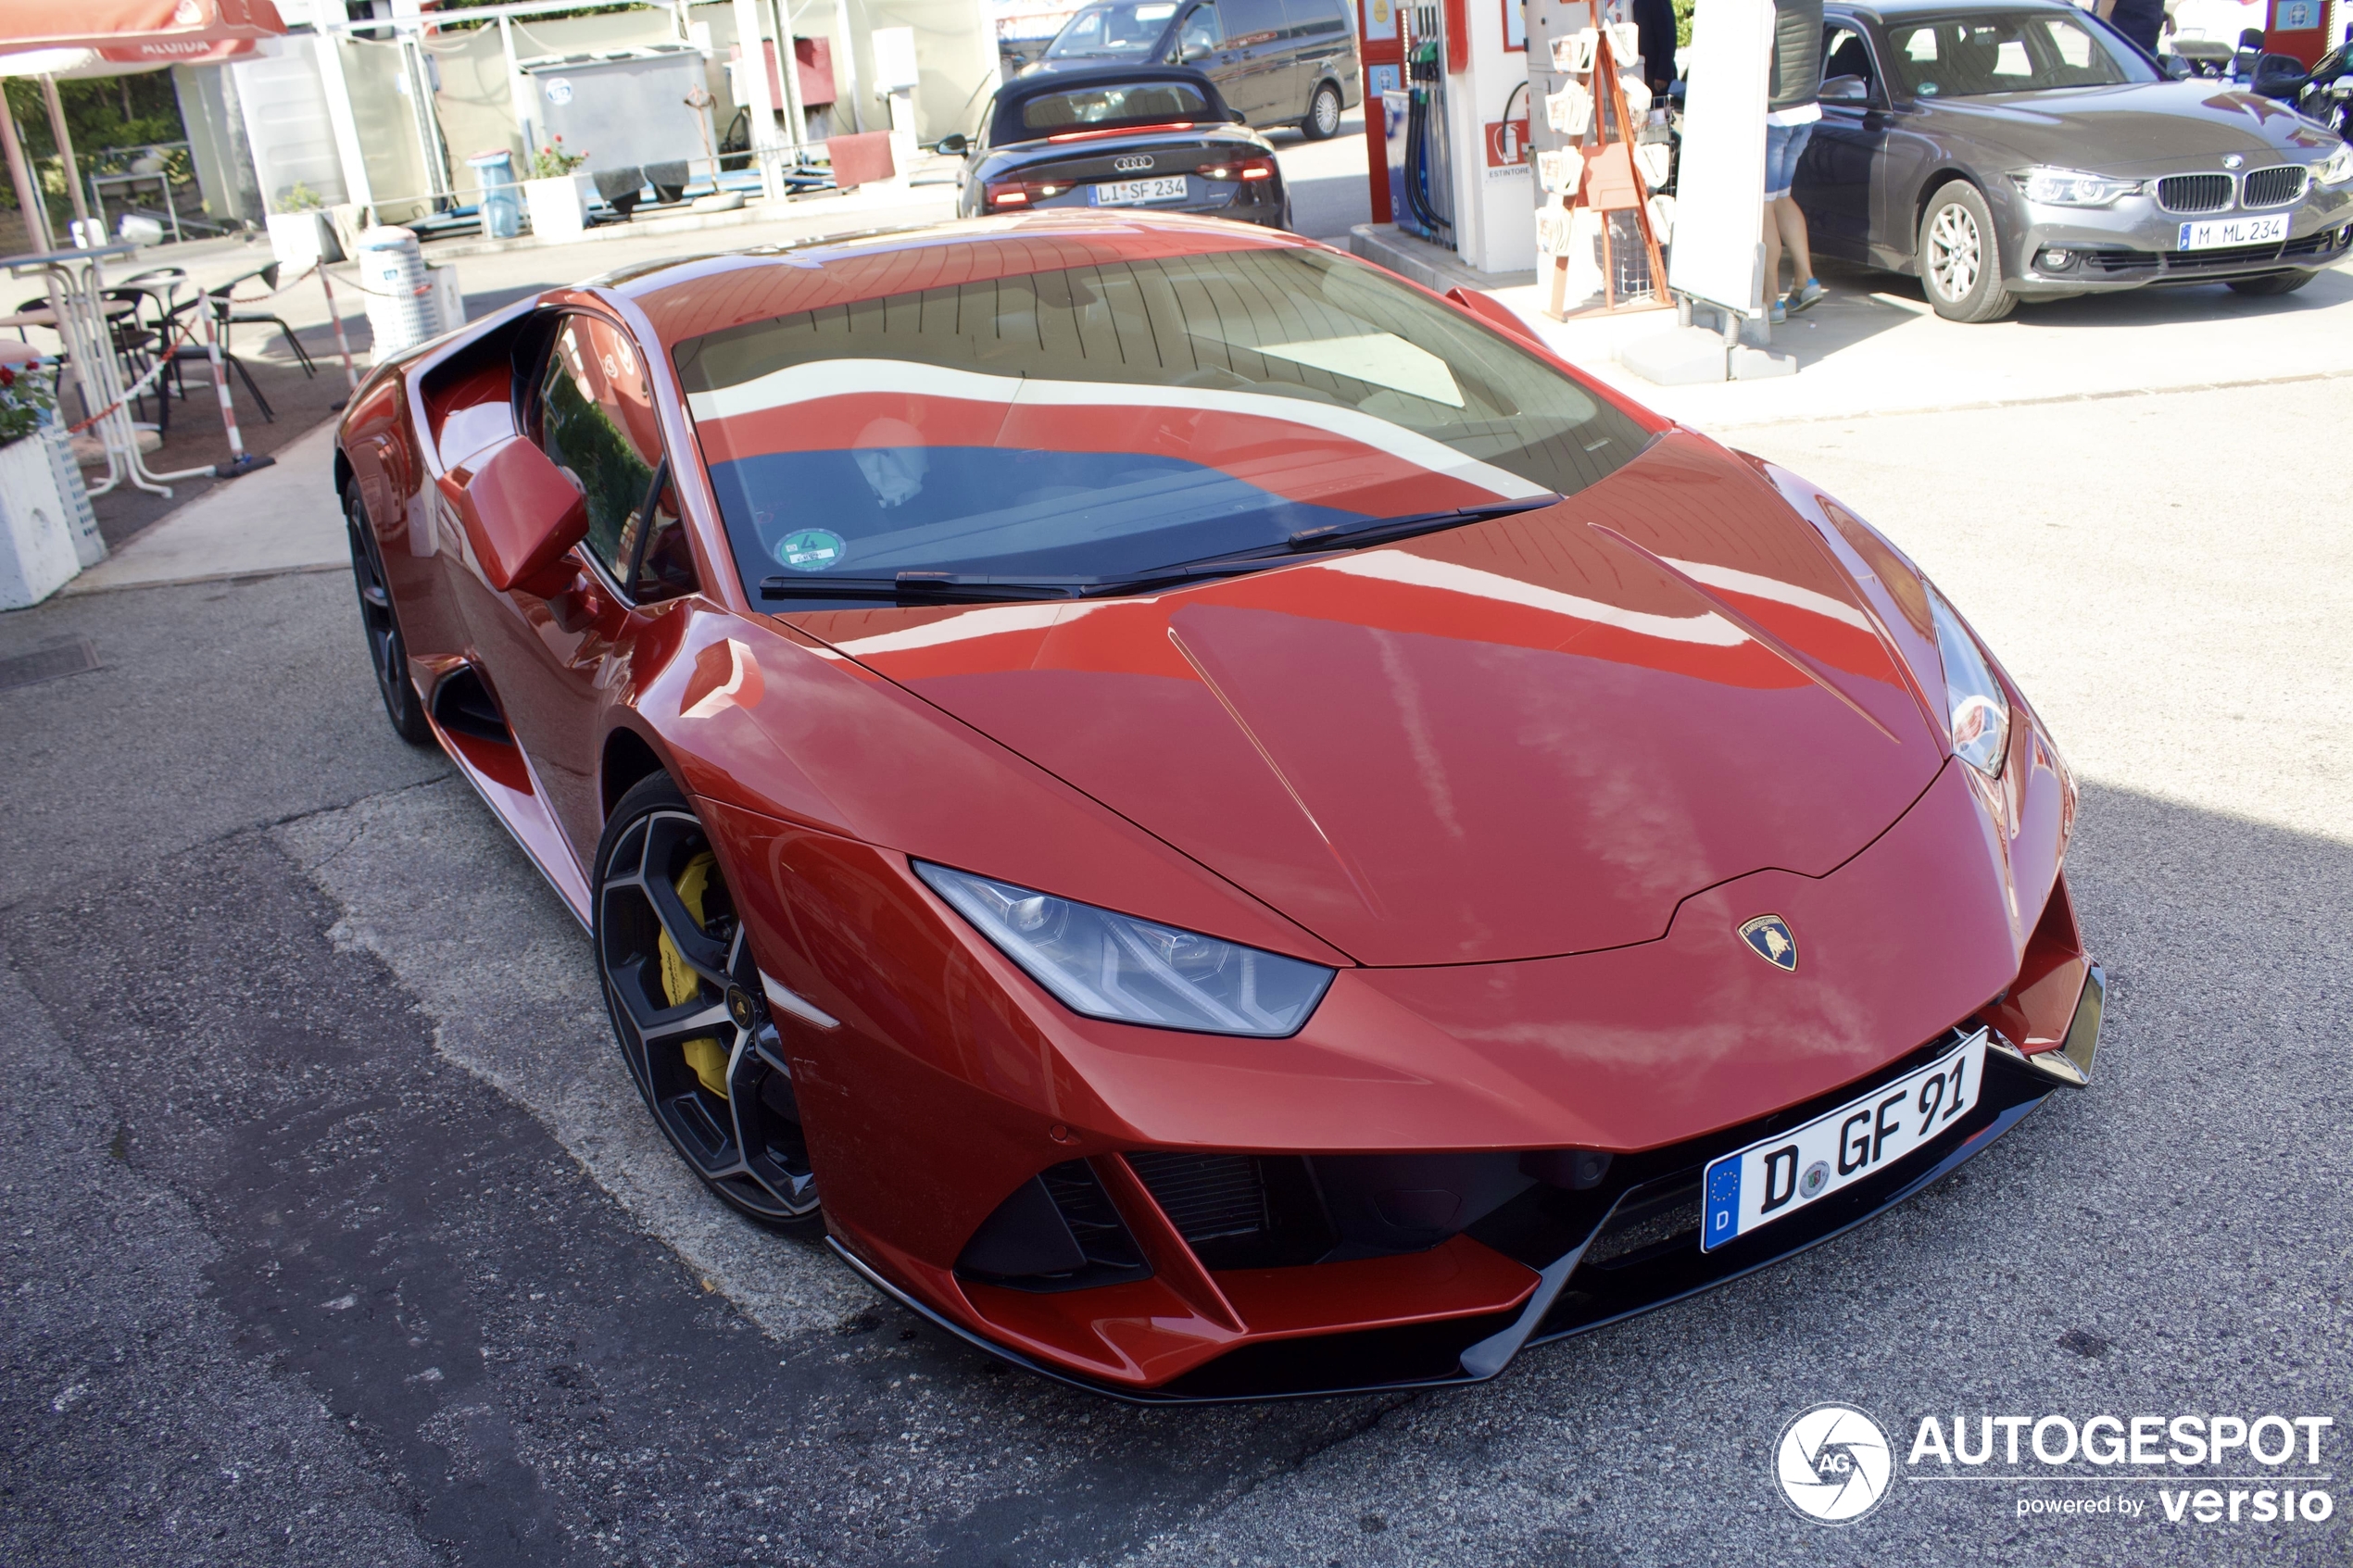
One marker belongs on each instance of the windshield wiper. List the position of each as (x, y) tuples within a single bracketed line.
[(958, 588), (1333, 538), (953, 587), (1375, 530)]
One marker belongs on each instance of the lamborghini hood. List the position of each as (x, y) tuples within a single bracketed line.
[(1522, 739)]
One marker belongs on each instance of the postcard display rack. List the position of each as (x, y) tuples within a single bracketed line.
[(1598, 155)]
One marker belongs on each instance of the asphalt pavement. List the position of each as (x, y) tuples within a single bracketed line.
[(330, 1230)]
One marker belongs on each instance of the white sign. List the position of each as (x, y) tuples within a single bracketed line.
[(558, 89), (894, 59), (1719, 191)]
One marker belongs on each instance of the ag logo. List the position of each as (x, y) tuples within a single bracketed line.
[(1832, 1463), (1770, 938)]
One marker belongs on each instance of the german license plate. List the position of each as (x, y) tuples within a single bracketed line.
[(1776, 1177), (1135, 193), (2221, 233)]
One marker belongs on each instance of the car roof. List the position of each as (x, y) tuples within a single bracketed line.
[(1906, 10), (698, 295), (1061, 79), (1004, 108)]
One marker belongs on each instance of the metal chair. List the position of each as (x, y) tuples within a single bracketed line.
[(226, 315), (170, 312)]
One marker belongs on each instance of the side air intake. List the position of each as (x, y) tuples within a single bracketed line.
[(1059, 1231)]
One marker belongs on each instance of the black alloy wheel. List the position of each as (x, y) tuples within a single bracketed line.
[(686, 1001), (1323, 114), (387, 652)]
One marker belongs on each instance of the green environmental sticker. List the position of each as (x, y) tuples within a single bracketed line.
[(810, 549)]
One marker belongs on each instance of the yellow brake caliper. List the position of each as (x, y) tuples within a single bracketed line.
[(680, 983)]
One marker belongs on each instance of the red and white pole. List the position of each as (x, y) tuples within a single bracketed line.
[(240, 460), (342, 341)]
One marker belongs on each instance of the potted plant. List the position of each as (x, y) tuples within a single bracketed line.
[(299, 234), (37, 530), (553, 194)]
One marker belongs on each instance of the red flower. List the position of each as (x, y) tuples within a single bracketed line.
[(7, 377)]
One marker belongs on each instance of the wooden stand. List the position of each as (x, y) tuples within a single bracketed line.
[(1610, 184)]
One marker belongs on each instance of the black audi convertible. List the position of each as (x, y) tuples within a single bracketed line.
[(1156, 138)]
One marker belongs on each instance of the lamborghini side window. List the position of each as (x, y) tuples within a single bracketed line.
[(665, 567), (597, 421)]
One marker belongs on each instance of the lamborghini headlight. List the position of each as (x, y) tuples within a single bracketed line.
[(1131, 970), (2071, 187), (1975, 704)]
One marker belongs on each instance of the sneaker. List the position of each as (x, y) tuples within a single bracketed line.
[(1777, 314), (1809, 294)]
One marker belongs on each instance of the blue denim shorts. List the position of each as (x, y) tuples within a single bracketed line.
[(1782, 145)]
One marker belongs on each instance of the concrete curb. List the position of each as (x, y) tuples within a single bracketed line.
[(1433, 267)]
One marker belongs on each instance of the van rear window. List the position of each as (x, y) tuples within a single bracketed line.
[(1109, 109)]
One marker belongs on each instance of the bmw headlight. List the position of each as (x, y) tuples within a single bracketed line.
[(2071, 187), (1975, 704), (1131, 970), (2339, 166)]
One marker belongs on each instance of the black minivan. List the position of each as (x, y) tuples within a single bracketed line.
[(1280, 62)]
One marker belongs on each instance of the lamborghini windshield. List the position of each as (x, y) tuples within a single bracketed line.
[(1099, 423)]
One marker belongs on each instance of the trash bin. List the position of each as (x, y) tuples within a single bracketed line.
[(401, 310), (501, 197)]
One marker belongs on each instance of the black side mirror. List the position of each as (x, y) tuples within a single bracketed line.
[(955, 144), (1238, 117), (1845, 90), (2175, 68)]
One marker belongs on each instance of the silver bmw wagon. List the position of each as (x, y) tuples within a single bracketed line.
[(2019, 150)]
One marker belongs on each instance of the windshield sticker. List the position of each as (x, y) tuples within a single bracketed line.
[(1928, 89), (810, 549)]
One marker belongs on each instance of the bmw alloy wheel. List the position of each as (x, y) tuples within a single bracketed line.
[(1960, 256), (1956, 250), (684, 998)]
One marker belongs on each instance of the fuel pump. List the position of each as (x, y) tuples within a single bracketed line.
[(1421, 177), (1448, 142)]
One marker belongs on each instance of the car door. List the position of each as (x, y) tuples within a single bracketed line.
[(1255, 77), (1200, 41), (1834, 174), (1323, 45), (552, 660), (1918, 137)]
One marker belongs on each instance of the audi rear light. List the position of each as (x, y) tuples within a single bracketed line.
[(1240, 168), (1023, 192)]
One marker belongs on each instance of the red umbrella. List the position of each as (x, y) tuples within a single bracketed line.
[(163, 30), (43, 38)]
